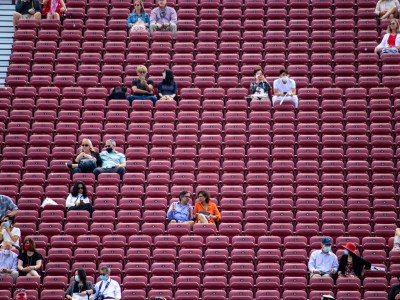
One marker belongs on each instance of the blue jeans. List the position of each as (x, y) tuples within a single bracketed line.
[(86, 166), (144, 97)]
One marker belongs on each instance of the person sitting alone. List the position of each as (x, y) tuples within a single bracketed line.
[(181, 211), (87, 160), (142, 88), (27, 9), (112, 161), (284, 89), (167, 88), (53, 9), (78, 199), (323, 263), (163, 18), (138, 20), (387, 9), (390, 43), (260, 89)]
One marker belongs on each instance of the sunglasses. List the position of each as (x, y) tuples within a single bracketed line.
[(137, 4), (20, 290), (142, 72), (85, 145)]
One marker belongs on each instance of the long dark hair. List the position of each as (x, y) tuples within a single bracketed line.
[(82, 275), (32, 245), (205, 194), (169, 77), (75, 189)]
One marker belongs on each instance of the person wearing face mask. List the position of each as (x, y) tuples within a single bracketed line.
[(323, 263), (112, 161), (21, 294), (8, 232), (284, 89), (106, 288), (260, 89), (29, 261), (8, 261), (351, 264), (78, 199), (163, 18), (181, 211), (394, 293), (80, 288), (167, 88)]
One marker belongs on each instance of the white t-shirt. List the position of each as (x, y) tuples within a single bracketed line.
[(72, 201), (15, 232), (284, 87)]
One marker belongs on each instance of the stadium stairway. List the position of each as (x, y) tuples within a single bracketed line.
[(6, 36)]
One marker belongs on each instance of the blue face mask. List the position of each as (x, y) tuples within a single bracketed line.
[(103, 277), (346, 252), (327, 249), (77, 278), (6, 224)]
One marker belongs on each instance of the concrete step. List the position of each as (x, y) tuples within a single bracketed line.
[(6, 29), (4, 57), (3, 70), (6, 35), (6, 18), (5, 46), (2, 81), (5, 63), (6, 6), (5, 52)]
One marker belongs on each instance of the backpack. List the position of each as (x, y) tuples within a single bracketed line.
[(118, 93)]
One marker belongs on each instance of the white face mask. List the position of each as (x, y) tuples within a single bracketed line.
[(7, 252), (285, 78), (164, 75)]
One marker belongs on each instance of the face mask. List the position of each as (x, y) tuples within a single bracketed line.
[(7, 252), (164, 75), (77, 278), (103, 277), (109, 149), (346, 252), (285, 78), (6, 224), (21, 298), (26, 247), (327, 249)]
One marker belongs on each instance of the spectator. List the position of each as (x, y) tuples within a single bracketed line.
[(8, 261), (396, 245), (21, 294), (167, 88), (7, 206), (323, 263), (142, 88), (351, 264), (29, 261), (138, 20), (394, 293), (107, 287), (285, 89), (112, 161), (391, 40), (181, 211), (53, 9), (27, 9), (260, 89), (163, 18), (79, 286), (8, 232), (77, 199), (387, 9), (87, 160), (206, 211)]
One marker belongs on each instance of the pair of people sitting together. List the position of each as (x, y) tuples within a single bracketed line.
[(284, 88)]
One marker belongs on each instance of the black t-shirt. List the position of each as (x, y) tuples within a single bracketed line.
[(79, 288), (136, 82), (29, 260)]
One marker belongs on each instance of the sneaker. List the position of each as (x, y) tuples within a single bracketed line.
[(69, 166)]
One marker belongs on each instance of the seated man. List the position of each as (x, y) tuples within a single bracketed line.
[(181, 211), (163, 18), (323, 263), (8, 261), (27, 9), (112, 161), (260, 89), (284, 89), (142, 88), (387, 9)]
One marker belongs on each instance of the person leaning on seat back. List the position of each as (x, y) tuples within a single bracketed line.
[(27, 9), (260, 89), (163, 18), (391, 40), (142, 88), (323, 263), (138, 19), (387, 9), (284, 89), (112, 161)]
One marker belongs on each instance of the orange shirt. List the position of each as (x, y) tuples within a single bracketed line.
[(212, 209)]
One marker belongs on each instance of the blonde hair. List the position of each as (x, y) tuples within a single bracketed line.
[(89, 142), (141, 6), (141, 68), (389, 30)]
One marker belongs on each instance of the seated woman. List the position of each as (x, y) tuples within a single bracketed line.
[(351, 265), (391, 40), (77, 199), (8, 232), (167, 88), (260, 89), (138, 20), (52, 9), (80, 286), (206, 211), (87, 160), (29, 261)]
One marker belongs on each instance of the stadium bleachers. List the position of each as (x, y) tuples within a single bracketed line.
[(282, 178)]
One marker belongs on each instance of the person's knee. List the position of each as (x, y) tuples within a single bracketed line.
[(121, 170), (16, 15), (76, 171), (37, 16), (97, 171), (173, 221), (397, 232)]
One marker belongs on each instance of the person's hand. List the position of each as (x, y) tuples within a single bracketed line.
[(332, 271), (31, 11), (159, 26), (289, 94), (196, 215), (83, 293), (316, 272), (397, 297), (63, 9), (173, 207)]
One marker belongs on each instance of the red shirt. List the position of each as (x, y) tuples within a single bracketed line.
[(392, 40)]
